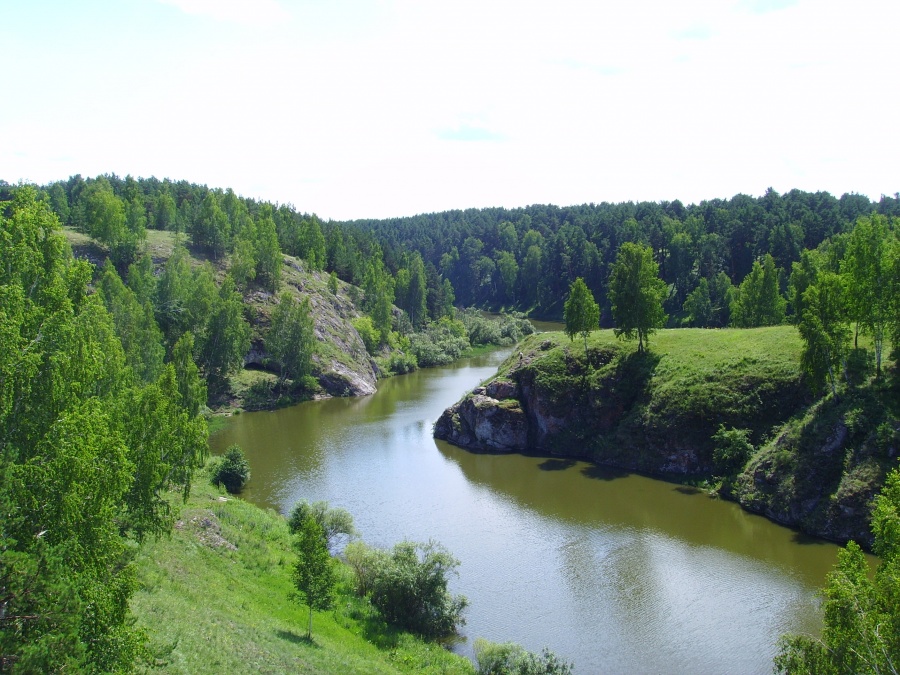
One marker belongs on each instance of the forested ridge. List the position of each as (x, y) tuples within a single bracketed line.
[(528, 257), (107, 368)]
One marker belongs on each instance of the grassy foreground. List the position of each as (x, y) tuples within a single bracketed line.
[(216, 597)]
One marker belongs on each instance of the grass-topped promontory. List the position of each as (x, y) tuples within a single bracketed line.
[(729, 408), (217, 597), (627, 403)]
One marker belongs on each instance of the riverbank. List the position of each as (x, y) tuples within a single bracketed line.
[(728, 408), (217, 596)]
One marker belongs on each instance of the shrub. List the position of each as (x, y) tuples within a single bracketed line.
[(439, 344), (732, 449), (400, 364), (408, 586), (511, 659), (366, 329), (232, 470)]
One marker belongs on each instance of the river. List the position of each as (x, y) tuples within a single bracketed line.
[(616, 572)]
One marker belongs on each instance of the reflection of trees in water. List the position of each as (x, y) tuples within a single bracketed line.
[(579, 493)]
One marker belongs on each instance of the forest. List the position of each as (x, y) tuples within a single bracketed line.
[(109, 363)]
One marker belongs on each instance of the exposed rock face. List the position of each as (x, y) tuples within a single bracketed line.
[(612, 416), (343, 381), (482, 422)]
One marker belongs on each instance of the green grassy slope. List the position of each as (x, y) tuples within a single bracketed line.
[(646, 410), (216, 597)]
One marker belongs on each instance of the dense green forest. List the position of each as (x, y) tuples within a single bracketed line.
[(526, 258)]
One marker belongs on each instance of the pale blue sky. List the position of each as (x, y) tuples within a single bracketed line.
[(394, 107)]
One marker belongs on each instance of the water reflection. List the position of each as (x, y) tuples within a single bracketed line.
[(612, 570)]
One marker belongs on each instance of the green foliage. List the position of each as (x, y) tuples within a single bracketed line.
[(411, 290), (698, 305), (408, 586), (862, 615), (86, 452), (732, 449), (871, 282), (135, 325), (502, 330), (226, 336), (823, 327), (636, 293), (582, 313), (268, 253), (440, 343), (191, 388), (333, 283), (367, 332), (334, 522), (232, 471), (211, 230), (509, 658), (291, 338), (313, 573), (400, 363), (105, 219), (230, 563), (758, 301)]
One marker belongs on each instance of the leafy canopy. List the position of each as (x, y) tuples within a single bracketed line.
[(636, 293), (581, 312)]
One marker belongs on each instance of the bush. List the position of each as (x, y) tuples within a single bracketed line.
[(366, 329), (439, 344), (232, 470), (408, 586), (512, 659), (400, 364), (732, 449)]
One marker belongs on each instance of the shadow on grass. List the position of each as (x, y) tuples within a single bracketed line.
[(607, 473), (376, 630), (556, 464), (291, 636)]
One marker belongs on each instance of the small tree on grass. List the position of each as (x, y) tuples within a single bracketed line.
[(313, 572), (408, 585), (333, 521), (732, 449), (581, 312), (232, 470), (824, 330), (636, 293)]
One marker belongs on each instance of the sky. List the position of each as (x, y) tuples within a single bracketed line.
[(382, 108)]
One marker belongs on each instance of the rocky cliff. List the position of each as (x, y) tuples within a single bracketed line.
[(658, 413)]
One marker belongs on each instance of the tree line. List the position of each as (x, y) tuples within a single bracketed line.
[(527, 258)]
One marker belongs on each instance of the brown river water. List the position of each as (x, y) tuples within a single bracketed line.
[(616, 572)]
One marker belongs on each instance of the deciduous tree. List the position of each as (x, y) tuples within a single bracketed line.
[(291, 338), (313, 573), (636, 293), (582, 313)]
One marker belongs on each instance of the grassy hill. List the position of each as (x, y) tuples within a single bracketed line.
[(341, 365), (216, 597)]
